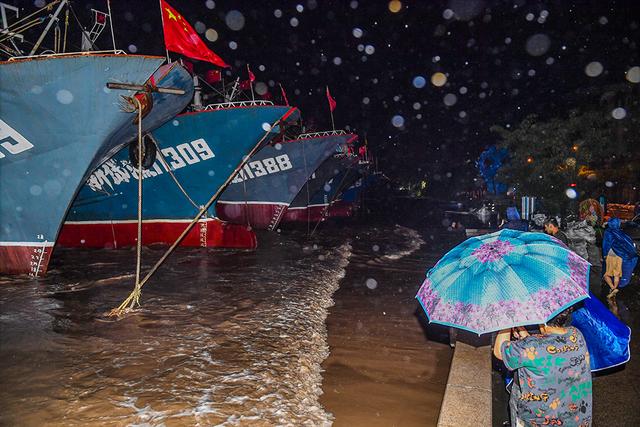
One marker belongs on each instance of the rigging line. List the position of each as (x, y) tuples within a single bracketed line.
[(47, 6), (73, 12), (168, 169), (326, 209), (135, 294), (201, 80)]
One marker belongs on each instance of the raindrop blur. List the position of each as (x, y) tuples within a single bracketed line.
[(233, 45), (619, 113), (200, 27), (571, 193), (369, 50), (375, 248), (529, 16), (261, 88), (417, 105), (365, 100), (419, 82), (337, 60), (211, 35), (132, 48), (210, 4), (463, 90), (371, 283), (593, 69), (266, 127), (357, 33), (327, 188), (609, 184), (397, 121), (277, 13), (633, 74), (234, 20), (438, 79), (64, 96), (300, 8), (538, 44), (450, 99), (294, 22), (395, 6), (447, 14)]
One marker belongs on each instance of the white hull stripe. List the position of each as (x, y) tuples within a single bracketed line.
[(135, 221), (224, 202), (37, 244), (310, 206)]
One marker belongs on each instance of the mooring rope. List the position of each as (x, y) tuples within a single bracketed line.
[(168, 169), (134, 298), (335, 195)]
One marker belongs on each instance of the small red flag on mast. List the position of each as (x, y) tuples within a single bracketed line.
[(252, 77), (332, 102), (284, 94), (180, 37)]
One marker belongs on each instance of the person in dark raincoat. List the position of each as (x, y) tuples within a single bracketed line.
[(620, 256)]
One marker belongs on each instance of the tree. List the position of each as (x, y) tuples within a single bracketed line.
[(579, 152)]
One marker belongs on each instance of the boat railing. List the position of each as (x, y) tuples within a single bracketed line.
[(236, 104), (321, 134), (88, 52)]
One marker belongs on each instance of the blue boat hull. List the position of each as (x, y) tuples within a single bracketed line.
[(202, 150), (260, 195), (57, 117)]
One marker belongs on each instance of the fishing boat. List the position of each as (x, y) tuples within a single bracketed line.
[(58, 117), (260, 195), (311, 203), (197, 153)]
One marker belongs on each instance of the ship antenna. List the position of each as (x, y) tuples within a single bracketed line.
[(113, 37)]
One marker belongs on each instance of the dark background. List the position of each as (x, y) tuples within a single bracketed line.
[(481, 48)]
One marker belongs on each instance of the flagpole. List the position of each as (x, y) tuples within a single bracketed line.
[(250, 83), (113, 37), (162, 19)]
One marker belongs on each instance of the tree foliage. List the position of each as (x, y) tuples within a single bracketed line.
[(581, 151)]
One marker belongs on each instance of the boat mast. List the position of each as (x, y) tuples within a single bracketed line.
[(54, 17), (113, 36)]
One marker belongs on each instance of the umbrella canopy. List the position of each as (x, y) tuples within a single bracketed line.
[(502, 280)]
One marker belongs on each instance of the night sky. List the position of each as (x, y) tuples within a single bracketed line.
[(503, 60)]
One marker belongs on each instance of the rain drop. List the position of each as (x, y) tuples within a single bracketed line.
[(571, 193), (395, 6), (277, 13), (593, 69), (266, 127), (233, 45), (294, 22), (210, 4), (450, 99), (419, 82), (397, 121), (357, 33), (438, 79), (234, 20), (369, 50), (609, 184), (64, 96), (633, 74), (619, 113), (538, 44), (371, 283), (447, 14), (211, 35)]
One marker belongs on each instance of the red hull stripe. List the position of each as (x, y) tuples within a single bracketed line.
[(25, 259), (207, 233)]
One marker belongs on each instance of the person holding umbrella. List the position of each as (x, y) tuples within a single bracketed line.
[(553, 382)]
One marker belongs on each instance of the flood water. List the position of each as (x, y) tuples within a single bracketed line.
[(228, 338)]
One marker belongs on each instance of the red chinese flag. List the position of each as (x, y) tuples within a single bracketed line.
[(212, 76), (252, 77), (332, 102), (180, 37)]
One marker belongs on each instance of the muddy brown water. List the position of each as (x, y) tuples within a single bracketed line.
[(222, 338)]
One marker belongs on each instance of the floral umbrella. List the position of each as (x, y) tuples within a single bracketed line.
[(502, 280)]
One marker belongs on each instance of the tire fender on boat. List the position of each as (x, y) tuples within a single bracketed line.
[(148, 152)]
